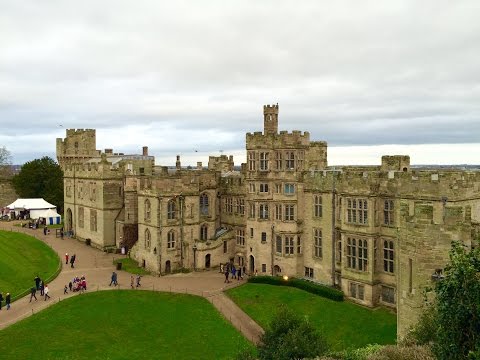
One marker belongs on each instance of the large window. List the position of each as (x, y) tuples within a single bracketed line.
[(357, 291), (264, 188), (289, 245), (289, 189), (278, 244), (93, 220), (148, 239), (240, 237), (278, 159), (388, 294), (263, 161), (278, 211), (263, 213), (147, 210), (388, 256), (317, 206), (251, 161), (289, 212), (251, 211), (204, 204), (171, 210), (81, 216), (317, 243), (171, 239), (240, 206), (204, 232), (357, 211), (290, 160), (388, 213), (357, 254), (309, 272), (228, 205)]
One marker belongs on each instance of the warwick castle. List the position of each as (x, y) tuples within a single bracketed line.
[(380, 233)]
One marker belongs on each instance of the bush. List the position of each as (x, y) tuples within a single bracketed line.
[(317, 289), (392, 352)]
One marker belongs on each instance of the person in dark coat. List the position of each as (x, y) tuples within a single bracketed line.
[(7, 301), (1, 299), (33, 291), (72, 260), (37, 282)]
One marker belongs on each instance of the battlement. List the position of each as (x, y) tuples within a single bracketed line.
[(73, 132), (271, 109), (282, 140), (221, 163)]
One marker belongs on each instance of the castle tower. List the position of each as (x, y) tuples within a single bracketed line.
[(270, 119), (79, 145)]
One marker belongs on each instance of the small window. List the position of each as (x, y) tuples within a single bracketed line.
[(264, 237), (309, 272), (264, 268), (289, 189), (264, 188), (251, 232), (388, 294)]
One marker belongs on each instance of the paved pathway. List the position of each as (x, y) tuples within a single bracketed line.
[(97, 267)]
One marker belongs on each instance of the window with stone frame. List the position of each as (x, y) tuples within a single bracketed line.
[(171, 209), (357, 291), (263, 212), (171, 239), (148, 239), (147, 210), (251, 161), (81, 217), (299, 245), (204, 205), (388, 294), (251, 208), (204, 232), (240, 206), (93, 191), (278, 188), (317, 243), (309, 272), (357, 211), (357, 254), (278, 211), (278, 160), (251, 187), (68, 189), (388, 215), (264, 237), (278, 244), (300, 160), (388, 256), (317, 206), (290, 160), (289, 212), (240, 237), (229, 205), (289, 245), (264, 188), (264, 268), (289, 189), (264, 161), (93, 220)]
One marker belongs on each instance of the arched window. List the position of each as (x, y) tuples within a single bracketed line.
[(171, 239), (147, 209), (204, 204), (148, 239), (171, 209), (204, 232)]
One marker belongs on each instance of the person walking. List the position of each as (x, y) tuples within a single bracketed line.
[(66, 258), (7, 301), (45, 291), (42, 287), (239, 273), (113, 279), (61, 236), (227, 272), (70, 286), (72, 260), (37, 282), (45, 230), (33, 291), (138, 280), (234, 272), (131, 281), (65, 290), (1, 299)]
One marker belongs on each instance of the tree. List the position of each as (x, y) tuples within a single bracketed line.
[(5, 162), (41, 178), (451, 323), (291, 337)]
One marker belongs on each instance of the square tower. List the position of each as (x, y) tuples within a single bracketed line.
[(270, 119)]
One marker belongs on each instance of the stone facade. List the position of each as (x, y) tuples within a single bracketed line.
[(377, 232)]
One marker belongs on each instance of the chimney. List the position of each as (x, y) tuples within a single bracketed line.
[(178, 164), (145, 151), (199, 165)]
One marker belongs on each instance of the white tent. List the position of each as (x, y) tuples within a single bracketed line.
[(51, 216), (35, 206)]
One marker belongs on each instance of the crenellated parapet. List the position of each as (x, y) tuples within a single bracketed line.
[(283, 140)]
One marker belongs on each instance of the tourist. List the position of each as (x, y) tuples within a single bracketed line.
[(113, 279), (138, 280), (45, 230), (131, 281), (66, 258), (42, 287), (72, 260), (239, 273), (65, 289), (33, 291), (37, 282), (45, 291), (7, 301), (70, 286), (61, 236), (1, 299), (227, 272), (234, 272)]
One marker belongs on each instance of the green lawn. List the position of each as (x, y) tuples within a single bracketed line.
[(22, 257), (124, 324), (131, 266), (345, 325)]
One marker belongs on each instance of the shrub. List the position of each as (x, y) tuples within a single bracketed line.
[(317, 289), (392, 352)]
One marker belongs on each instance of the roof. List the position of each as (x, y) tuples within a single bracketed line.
[(31, 204), (49, 213)]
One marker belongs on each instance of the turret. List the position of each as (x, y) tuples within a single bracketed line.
[(270, 119)]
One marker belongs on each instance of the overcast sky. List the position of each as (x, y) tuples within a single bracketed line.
[(368, 77)]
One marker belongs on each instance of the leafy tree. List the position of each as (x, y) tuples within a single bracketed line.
[(291, 337), (5, 162), (41, 178)]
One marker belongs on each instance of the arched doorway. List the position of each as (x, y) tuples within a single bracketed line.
[(276, 270), (207, 261), (252, 265), (168, 268), (69, 220)]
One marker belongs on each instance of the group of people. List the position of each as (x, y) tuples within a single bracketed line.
[(77, 284), (72, 258), (230, 269), (8, 299), (135, 280), (41, 286)]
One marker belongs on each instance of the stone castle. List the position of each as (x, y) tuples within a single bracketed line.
[(380, 233)]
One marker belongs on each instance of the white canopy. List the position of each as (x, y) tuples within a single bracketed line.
[(50, 215), (31, 204)]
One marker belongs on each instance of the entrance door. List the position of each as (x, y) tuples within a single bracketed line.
[(207, 261), (252, 265), (168, 268), (276, 270)]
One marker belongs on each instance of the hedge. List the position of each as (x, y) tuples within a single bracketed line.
[(317, 289)]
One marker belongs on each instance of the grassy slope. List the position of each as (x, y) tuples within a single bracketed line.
[(22, 257), (124, 324), (346, 325)]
